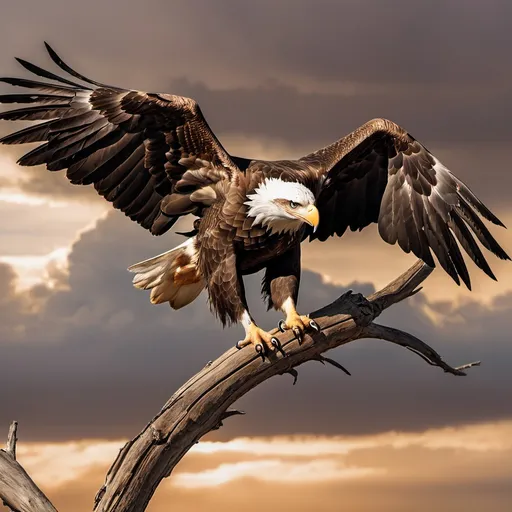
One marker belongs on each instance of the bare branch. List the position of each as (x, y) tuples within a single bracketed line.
[(415, 345), (294, 373), (469, 365), (202, 403), (332, 362), (228, 414), (10, 447), (17, 490)]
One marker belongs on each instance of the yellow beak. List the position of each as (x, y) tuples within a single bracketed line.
[(312, 217)]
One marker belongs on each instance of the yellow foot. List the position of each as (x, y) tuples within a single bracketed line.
[(298, 324), (261, 340)]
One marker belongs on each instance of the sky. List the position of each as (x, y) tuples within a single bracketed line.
[(90, 360)]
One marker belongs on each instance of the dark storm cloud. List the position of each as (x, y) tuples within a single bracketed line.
[(435, 65), (99, 360), (425, 42), (303, 73), (430, 42), (297, 72), (312, 120), (434, 42)]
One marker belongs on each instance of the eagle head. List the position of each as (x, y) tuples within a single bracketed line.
[(282, 206)]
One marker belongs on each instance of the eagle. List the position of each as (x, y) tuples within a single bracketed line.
[(154, 157)]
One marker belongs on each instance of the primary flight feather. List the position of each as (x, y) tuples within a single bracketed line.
[(154, 157)]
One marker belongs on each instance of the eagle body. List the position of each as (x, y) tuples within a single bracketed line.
[(230, 243), (154, 157)]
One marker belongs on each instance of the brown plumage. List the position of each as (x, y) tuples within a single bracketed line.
[(154, 157)]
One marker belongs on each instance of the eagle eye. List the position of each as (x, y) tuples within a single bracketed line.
[(293, 204)]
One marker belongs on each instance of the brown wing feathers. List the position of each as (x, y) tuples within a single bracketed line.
[(384, 175), (134, 147)]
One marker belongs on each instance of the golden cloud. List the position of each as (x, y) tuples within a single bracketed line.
[(290, 460)]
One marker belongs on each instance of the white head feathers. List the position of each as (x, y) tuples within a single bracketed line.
[(267, 212)]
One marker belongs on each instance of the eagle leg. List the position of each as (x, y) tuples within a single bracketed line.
[(281, 286), (297, 323), (262, 341)]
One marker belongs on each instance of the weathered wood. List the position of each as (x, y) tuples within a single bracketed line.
[(12, 438), (17, 490), (202, 403)]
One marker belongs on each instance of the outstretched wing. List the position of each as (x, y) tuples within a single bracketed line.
[(145, 153), (380, 173)]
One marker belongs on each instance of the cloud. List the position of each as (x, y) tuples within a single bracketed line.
[(310, 120), (275, 471), (53, 465), (290, 460), (479, 438), (37, 226), (303, 85), (426, 43), (34, 270)]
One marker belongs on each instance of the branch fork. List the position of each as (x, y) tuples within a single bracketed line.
[(202, 404)]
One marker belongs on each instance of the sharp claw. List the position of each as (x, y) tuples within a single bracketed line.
[(260, 350), (281, 325), (278, 346), (314, 326), (298, 334), (237, 345)]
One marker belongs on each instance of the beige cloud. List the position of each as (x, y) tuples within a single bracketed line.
[(39, 230), (55, 464), (274, 471), (465, 468), (287, 459)]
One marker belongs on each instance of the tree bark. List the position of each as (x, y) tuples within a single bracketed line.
[(202, 403), (17, 490)]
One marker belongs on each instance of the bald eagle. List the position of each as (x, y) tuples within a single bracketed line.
[(154, 157)]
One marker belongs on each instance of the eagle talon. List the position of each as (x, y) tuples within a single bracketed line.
[(278, 345), (260, 340), (298, 324), (260, 349), (314, 326), (298, 333), (238, 345)]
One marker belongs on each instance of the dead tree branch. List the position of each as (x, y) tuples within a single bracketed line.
[(202, 403), (17, 490)]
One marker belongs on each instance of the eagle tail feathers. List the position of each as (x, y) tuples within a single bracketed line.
[(172, 276)]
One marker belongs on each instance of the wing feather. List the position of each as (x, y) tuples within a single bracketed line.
[(40, 86), (47, 74), (37, 133), (132, 146), (56, 58), (380, 173)]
